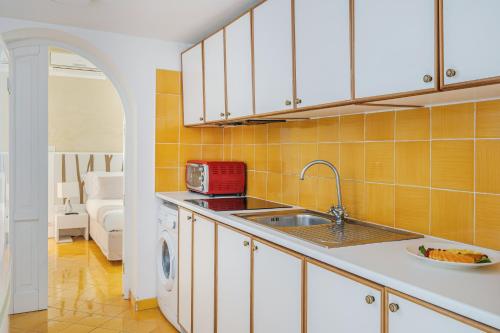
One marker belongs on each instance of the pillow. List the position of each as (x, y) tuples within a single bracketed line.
[(90, 179), (109, 187)]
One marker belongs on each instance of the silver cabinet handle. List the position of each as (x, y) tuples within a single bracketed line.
[(246, 243), (427, 78), (450, 72), (288, 102), (189, 218), (222, 114), (201, 118), (393, 307), (369, 299), (298, 101), (228, 114), (255, 248)]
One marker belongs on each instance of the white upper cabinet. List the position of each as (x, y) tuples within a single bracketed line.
[(192, 85), (215, 96), (239, 68), (471, 30), (203, 275), (233, 281), (394, 46), (336, 303), (322, 51), (277, 291), (406, 316), (273, 56)]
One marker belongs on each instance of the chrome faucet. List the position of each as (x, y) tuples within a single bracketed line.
[(337, 211)]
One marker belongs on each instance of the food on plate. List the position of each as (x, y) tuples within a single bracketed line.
[(455, 255)]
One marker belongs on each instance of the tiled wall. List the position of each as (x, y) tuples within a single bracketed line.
[(176, 144), (434, 171)]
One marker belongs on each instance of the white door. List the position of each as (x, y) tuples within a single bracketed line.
[(215, 96), (28, 168), (185, 268), (233, 281), (5, 274), (322, 51), (277, 291), (203, 275), (471, 30), (409, 317), (336, 303), (394, 46), (192, 85), (272, 30), (239, 68)]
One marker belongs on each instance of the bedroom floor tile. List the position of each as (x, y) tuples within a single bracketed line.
[(85, 295)]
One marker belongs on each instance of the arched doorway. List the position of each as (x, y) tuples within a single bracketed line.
[(28, 218)]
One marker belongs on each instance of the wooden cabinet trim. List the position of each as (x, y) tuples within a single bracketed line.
[(434, 308)]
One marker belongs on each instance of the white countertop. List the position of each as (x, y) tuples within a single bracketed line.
[(473, 293)]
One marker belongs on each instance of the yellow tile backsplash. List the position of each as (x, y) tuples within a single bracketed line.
[(429, 170)]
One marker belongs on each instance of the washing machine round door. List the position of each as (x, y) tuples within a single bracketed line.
[(166, 261)]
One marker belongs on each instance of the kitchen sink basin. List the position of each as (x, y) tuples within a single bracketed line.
[(321, 229), (290, 220)]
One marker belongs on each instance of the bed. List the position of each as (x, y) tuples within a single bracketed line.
[(104, 206)]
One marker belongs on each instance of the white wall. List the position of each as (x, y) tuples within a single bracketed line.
[(134, 61)]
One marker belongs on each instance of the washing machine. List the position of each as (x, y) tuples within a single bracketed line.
[(167, 261)]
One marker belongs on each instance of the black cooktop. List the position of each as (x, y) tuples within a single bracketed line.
[(235, 203)]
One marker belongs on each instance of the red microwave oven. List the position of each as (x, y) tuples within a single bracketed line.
[(215, 177)]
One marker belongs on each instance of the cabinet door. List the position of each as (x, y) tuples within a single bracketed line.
[(215, 96), (233, 281), (322, 51), (203, 275), (192, 85), (277, 291), (239, 68), (394, 46), (411, 317), (471, 30), (273, 56), (185, 266), (336, 303)]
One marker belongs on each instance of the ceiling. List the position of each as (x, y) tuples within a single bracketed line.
[(186, 21)]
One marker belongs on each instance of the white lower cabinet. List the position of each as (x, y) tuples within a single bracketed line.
[(406, 316), (203, 275), (185, 268), (233, 281), (337, 303), (277, 290)]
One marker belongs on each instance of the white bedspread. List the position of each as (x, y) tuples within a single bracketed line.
[(108, 213)]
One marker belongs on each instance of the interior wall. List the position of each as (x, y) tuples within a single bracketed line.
[(85, 115), (130, 62), (431, 170)]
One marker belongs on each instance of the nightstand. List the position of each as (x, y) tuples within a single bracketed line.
[(80, 220)]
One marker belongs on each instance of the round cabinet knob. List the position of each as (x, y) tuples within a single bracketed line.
[(370, 299), (298, 101), (201, 118), (288, 102), (427, 78), (222, 114), (228, 114), (393, 307), (189, 218), (255, 247), (450, 72), (246, 243)]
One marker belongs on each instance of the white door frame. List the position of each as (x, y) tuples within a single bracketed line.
[(29, 211)]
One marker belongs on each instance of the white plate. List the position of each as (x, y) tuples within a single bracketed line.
[(415, 252)]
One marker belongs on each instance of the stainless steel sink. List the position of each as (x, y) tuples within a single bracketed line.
[(292, 220), (321, 229)]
